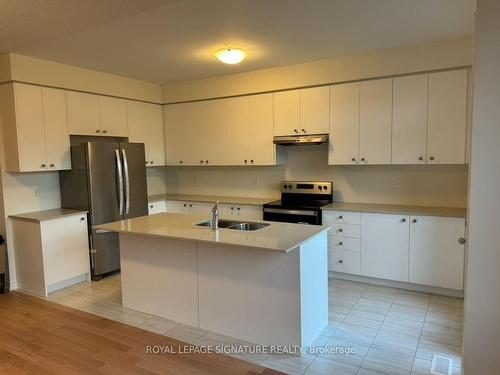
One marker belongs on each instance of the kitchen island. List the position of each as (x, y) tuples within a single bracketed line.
[(267, 286)]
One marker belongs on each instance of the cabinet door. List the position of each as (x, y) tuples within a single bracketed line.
[(385, 246), (315, 110), (175, 134), (65, 248), (56, 129), (436, 257), (344, 261), (344, 124), (113, 116), (409, 128), (447, 117), (83, 113), (30, 130), (155, 137), (375, 121), (238, 130), (214, 124), (260, 130), (287, 112), (194, 134), (136, 122)]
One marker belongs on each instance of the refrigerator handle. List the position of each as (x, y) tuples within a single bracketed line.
[(127, 182), (119, 182)]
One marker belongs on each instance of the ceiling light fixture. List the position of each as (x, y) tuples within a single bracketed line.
[(231, 55)]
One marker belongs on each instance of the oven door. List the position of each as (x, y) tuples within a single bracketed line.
[(292, 216)]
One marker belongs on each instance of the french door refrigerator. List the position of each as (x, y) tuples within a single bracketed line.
[(108, 179)]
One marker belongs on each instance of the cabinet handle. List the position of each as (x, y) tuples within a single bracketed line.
[(420, 158), (303, 130), (190, 205), (431, 158), (340, 217), (341, 261), (180, 161), (251, 161), (82, 219), (185, 205), (340, 243), (414, 221), (151, 162), (104, 131), (151, 206), (353, 159), (462, 241), (362, 159), (51, 165), (147, 162), (295, 130), (43, 165), (340, 230), (403, 220), (238, 208), (232, 208), (201, 161), (246, 161), (206, 161), (97, 131)]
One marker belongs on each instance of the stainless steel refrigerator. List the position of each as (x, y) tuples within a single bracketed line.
[(108, 179)]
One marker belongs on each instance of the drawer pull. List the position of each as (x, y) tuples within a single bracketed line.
[(414, 221), (462, 241), (341, 261), (403, 220), (340, 230), (340, 243), (340, 217), (82, 219)]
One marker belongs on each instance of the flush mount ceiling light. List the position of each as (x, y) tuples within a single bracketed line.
[(231, 55)]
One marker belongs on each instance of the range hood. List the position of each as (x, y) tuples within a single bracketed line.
[(299, 140)]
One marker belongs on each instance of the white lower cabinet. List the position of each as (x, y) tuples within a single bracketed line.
[(384, 246), (52, 253), (436, 256), (417, 249), (157, 207)]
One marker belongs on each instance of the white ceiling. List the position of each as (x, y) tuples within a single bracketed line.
[(168, 41)]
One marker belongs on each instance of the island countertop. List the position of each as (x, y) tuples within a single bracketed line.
[(282, 237)]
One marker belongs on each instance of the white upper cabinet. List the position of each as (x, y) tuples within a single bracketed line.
[(304, 111), (155, 137), (56, 129), (375, 122), (136, 121), (113, 116), (175, 133), (344, 124), (436, 256), (287, 112), (214, 130), (83, 113), (260, 130), (409, 128), (193, 136), (238, 142), (447, 117), (314, 110), (384, 246), (36, 136)]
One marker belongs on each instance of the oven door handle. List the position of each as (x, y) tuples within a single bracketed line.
[(291, 212)]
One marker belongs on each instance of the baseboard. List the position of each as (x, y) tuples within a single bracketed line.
[(69, 282), (397, 284), (12, 285)]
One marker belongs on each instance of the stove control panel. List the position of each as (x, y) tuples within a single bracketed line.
[(307, 187)]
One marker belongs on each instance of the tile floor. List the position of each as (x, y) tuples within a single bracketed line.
[(392, 331)]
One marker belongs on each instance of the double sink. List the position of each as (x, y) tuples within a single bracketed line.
[(235, 225)]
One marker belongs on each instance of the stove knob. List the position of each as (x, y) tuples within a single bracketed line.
[(320, 187), (325, 187), (289, 186)]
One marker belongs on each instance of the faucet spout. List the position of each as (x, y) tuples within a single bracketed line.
[(215, 215)]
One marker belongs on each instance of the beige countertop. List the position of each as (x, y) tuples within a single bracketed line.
[(398, 209), (47, 214), (210, 198), (277, 236)]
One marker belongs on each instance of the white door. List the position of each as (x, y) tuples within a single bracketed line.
[(385, 246), (155, 137), (447, 117), (56, 129), (194, 136), (409, 128), (315, 110), (113, 116), (136, 121), (175, 142), (30, 130), (344, 124), (83, 113), (260, 130), (287, 112), (375, 121), (436, 256), (238, 131)]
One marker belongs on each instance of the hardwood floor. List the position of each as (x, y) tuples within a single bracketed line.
[(42, 337)]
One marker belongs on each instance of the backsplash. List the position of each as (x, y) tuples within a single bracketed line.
[(427, 185)]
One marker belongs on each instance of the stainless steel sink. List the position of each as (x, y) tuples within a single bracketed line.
[(247, 226), (235, 225), (222, 223)]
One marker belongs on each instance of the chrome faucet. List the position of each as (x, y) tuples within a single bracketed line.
[(215, 215)]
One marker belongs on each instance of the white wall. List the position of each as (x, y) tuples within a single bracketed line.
[(482, 308), (428, 185)]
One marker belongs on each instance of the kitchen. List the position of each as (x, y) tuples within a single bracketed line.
[(142, 196)]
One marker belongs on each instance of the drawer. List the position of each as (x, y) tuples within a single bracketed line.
[(344, 243), (344, 261), (345, 230), (342, 217)]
